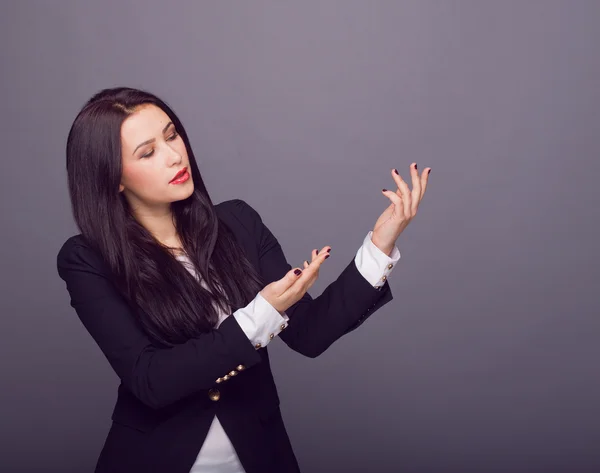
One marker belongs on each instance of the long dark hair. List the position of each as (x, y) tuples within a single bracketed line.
[(168, 301)]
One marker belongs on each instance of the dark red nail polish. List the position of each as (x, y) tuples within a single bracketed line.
[(428, 172), (297, 272), (384, 190), (317, 251), (396, 171), (328, 250), (415, 165), (327, 256)]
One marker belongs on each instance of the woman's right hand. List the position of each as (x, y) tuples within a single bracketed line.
[(288, 290)]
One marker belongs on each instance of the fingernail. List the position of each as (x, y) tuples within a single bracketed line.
[(428, 171), (396, 171), (384, 190), (306, 262), (415, 165), (328, 250), (317, 251), (327, 256), (297, 272)]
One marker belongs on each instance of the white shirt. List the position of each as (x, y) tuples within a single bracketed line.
[(258, 320)]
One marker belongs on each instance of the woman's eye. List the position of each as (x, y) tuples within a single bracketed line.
[(170, 138)]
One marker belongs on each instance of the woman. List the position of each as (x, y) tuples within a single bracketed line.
[(182, 296)]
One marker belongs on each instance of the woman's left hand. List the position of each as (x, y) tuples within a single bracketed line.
[(403, 208)]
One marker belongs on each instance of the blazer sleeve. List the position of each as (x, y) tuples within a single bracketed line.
[(158, 376), (315, 323)]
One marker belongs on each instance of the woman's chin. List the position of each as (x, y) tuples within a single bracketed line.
[(183, 191)]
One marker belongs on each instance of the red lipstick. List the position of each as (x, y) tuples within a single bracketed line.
[(181, 176)]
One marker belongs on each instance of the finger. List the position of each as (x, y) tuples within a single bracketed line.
[(305, 264), (312, 269), (416, 190), (314, 254), (288, 280), (396, 200), (404, 193), (319, 256), (424, 180), (307, 283), (406, 196)]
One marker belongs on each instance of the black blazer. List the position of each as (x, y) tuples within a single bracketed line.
[(167, 397)]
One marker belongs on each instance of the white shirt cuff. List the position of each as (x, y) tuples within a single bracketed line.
[(374, 264), (260, 321)]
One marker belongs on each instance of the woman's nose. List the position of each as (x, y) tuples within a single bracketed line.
[(175, 158)]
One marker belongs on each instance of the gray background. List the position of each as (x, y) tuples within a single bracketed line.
[(487, 358)]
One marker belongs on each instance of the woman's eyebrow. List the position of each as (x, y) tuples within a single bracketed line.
[(152, 139)]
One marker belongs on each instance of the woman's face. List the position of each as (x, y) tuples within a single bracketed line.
[(152, 153)]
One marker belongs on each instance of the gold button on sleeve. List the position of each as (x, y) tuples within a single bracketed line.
[(233, 373), (241, 367), (258, 345), (271, 336)]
